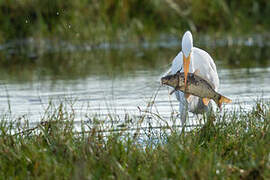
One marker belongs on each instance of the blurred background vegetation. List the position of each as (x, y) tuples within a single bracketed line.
[(69, 37), (106, 20)]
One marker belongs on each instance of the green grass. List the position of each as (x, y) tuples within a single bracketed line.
[(233, 146)]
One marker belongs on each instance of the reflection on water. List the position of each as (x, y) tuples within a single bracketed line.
[(122, 82), (121, 95)]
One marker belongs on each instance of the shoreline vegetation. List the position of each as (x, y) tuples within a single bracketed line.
[(234, 145), (36, 35), (123, 20)]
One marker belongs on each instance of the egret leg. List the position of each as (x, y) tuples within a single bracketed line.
[(199, 118), (183, 107)]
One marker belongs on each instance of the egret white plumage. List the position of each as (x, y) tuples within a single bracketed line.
[(189, 60)]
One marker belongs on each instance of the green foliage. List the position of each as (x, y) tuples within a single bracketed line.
[(99, 20), (235, 145)]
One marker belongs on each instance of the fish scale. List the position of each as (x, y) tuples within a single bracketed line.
[(196, 86)]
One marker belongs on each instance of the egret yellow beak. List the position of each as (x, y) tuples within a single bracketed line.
[(186, 63)]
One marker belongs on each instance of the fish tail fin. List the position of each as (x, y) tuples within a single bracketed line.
[(222, 99)]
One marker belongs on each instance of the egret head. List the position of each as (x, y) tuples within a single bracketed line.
[(187, 45)]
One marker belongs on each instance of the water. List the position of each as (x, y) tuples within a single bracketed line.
[(125, 82)]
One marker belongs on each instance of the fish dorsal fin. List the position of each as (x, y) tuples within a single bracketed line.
[(197, 73), (205, 101)]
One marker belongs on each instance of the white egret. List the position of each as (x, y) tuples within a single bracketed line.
[(189, 60)]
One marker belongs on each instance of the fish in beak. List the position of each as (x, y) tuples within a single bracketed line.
[(186, 63)]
